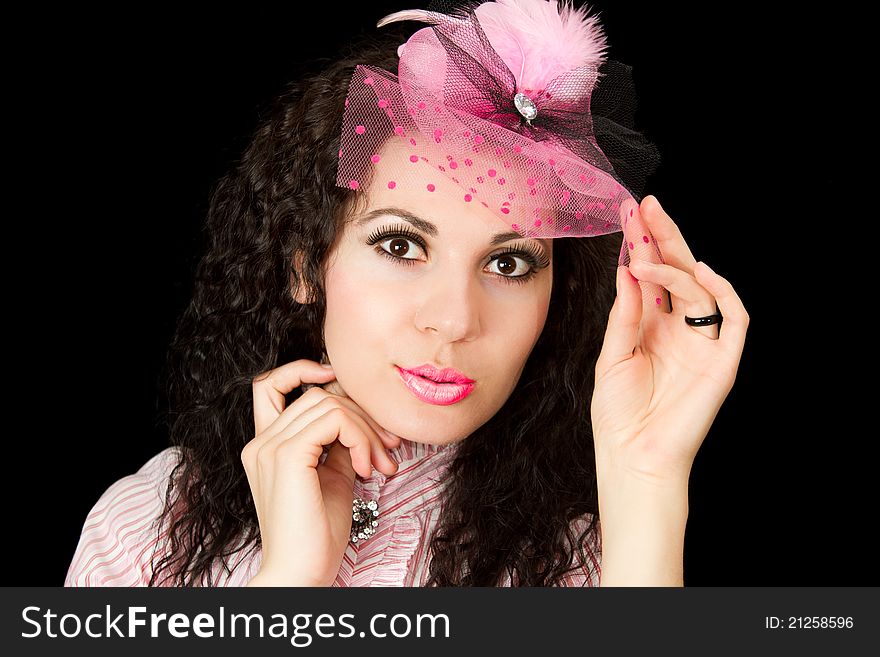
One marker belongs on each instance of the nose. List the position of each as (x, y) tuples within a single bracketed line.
[(450, 306)]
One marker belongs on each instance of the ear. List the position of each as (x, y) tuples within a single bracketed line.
[(301, 292)]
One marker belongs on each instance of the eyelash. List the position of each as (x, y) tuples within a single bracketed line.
[(532, 255)]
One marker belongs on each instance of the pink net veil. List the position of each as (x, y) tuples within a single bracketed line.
[(553, 154)]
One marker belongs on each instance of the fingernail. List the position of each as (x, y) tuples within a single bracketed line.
[(327, 365)]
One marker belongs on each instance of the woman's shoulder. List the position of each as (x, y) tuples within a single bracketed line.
[(160, 466), (151, 478), (118, 535)]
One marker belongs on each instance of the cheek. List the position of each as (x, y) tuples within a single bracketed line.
[(517, 326), (541, 317), (357, 303), (530, 328), (524, 318), (363, 314)]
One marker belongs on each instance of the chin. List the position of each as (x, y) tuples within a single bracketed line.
[(426, 432)]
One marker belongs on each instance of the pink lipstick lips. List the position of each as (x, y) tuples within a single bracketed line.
[(439, 387)]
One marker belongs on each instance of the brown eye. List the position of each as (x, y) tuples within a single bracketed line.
[(507, 265), (398, 246)]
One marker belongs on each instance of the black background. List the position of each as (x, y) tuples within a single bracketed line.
[(122, 122)]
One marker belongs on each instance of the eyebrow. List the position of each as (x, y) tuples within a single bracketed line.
[(429, 228)]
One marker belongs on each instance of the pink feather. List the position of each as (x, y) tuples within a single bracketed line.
[(538, 40)]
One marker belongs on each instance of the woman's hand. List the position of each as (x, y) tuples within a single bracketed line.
[(660, 382), (303, 507)]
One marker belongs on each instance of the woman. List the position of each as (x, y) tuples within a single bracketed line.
[(490, 394)]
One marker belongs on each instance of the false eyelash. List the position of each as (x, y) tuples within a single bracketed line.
[(534, 256), (531, 254), (395, 231)]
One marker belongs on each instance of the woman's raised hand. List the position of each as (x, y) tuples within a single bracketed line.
[(660, 382), (303, 507)]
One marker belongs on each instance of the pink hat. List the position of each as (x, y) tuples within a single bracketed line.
[(496, 97)]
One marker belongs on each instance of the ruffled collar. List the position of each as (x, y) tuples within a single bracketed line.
[(411, 451)]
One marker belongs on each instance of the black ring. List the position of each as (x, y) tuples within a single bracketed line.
[(705, 321)]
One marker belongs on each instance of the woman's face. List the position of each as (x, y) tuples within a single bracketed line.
[(394, 303)]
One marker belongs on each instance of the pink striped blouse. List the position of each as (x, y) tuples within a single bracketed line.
[(118, 541)]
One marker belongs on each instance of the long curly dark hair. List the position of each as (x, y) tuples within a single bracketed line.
[(517, 483)]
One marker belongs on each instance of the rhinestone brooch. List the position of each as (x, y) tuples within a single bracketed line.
[(364, 519), (526, 107)]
